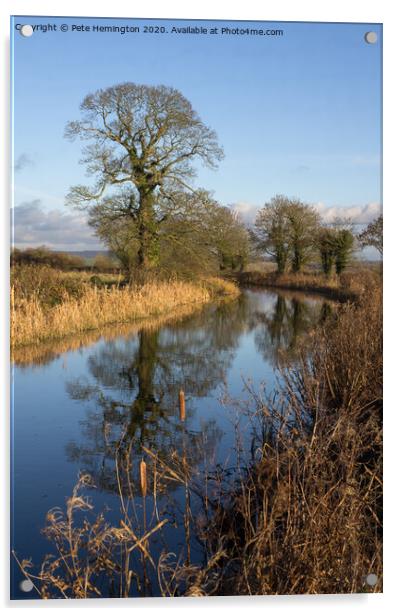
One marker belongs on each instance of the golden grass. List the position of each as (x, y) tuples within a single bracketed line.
[(32, 322), (50, 349)]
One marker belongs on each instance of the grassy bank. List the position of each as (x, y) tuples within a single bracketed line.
[(46, 304), (50, 349), (306, 515), (347, 286)]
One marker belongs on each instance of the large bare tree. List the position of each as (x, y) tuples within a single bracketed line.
[(143, 140)]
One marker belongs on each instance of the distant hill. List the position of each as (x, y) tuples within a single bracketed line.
[(86, 254)]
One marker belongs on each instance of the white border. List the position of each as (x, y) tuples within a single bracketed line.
[(289, 10)]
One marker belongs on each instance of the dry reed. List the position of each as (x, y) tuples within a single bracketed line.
[(182, 405), (306, 516), (347, 286), (33, 322), (143, 478)]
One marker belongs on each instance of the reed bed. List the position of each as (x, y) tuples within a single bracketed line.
[(305, 515), (347, 286), (34, 321), (49, 350)]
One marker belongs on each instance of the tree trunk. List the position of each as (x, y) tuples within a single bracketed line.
[(147, 233), (281, 260), (297, 261)]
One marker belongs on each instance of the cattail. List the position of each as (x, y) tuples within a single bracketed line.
[(182, 404), (143, 477)]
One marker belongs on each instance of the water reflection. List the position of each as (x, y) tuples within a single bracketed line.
[(103, 397), (133, 384), (280, 330)]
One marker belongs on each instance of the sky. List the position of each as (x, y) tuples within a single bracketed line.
[(297, 114)]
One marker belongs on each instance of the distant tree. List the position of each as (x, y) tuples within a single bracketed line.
[(286, 229), (326, 243), (272, 230), (229, 237), (344, 243), (373, 235), (304, 223), (144, 139)]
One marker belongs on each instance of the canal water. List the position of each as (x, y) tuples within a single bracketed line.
[(76, 409)]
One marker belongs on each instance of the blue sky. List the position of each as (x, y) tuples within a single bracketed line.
[(298, 114)]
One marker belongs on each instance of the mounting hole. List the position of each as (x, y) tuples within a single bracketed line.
[(371, 579), (26, 30), (371, 37), (26, 586)]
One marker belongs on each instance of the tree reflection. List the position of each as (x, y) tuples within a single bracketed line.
[(133, 382), (280, 331), (133, 389)]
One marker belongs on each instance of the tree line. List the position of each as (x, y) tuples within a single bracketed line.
[(64, 261), (142, 145), (292, 233)]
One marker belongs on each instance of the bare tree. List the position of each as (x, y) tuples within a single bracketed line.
[(372, 235), (286, 229), (344, 243), (272, 230), (304, 223), (145, 140)]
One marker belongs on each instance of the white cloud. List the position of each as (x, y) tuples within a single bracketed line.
[(358, 214), (34, 226), (247, 211)]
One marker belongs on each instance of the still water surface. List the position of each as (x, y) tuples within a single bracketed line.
[(71, 409)]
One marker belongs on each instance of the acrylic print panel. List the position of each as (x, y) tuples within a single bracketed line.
[(196, 308)]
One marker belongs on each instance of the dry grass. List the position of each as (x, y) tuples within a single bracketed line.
[(49, 350), (346, 286), (86, 306), (93, 558), (306, 515)]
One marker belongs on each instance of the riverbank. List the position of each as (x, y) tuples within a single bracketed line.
[(88, 307), (346, 287), (307, 514)]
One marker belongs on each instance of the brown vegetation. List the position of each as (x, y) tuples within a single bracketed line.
[(48, 350), (306, 516), (347, 286), (48, 304), (44, 256)]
